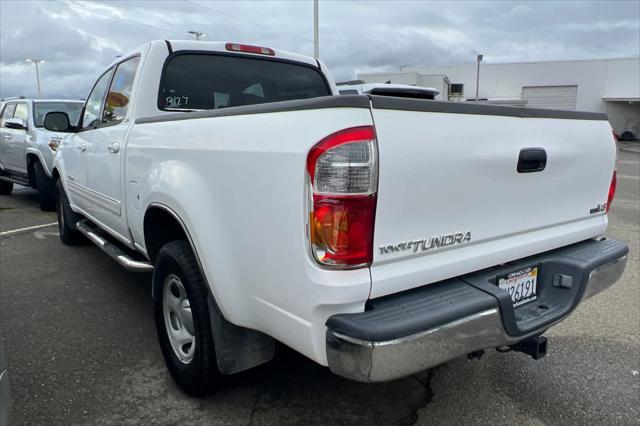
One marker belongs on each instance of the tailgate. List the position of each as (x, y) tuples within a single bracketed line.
[(450, 197)]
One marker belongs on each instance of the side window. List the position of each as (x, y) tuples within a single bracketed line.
[(255, 90), (92, 110), (220, 100), (8, 113), (120, 91), (22, 112)]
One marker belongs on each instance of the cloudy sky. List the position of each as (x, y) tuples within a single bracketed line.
[(77, 39)]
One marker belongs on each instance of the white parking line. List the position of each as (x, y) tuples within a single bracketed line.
[(619, 176), (28, 228)]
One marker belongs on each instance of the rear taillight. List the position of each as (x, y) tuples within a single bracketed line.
[(343, 173), (612, 191)]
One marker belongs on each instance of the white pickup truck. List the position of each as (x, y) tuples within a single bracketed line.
[(378, 236)]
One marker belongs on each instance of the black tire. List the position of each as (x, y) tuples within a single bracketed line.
[(46, 188), (199, 374), (5, 187), (67, 218)]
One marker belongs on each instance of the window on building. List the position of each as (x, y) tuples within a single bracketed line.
[(456, 88)]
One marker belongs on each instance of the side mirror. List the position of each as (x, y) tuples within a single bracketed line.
[(57, 122), (15, 123)]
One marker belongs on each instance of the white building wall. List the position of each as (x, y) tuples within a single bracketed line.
[(622, 79), (505, 81), (600, 82)]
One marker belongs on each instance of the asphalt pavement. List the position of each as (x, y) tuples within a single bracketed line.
[(82, 348)]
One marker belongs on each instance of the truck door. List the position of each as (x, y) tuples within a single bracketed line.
[(75, 146), (105, 151), (5, 136), (15, 141)]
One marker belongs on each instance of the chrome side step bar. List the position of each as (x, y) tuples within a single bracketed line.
[(15, 179), (112, 250)]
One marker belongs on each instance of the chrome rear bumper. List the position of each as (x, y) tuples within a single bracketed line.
[(373, 361), (604, 277)]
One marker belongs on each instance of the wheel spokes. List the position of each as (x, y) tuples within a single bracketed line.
[(186, 317), (178, 318)]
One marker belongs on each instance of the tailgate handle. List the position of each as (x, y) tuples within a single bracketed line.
[(532, 160)]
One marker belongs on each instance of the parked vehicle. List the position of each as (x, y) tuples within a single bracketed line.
[(379, 236), (26, 147), (359, 87), (627, 136)]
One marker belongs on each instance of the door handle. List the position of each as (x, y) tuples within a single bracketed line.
[(83, 146), (114, 147), (532, 160)]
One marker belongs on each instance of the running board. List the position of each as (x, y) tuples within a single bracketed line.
[(15, 179), (112, 250)]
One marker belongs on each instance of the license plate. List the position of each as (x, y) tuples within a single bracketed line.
[(521, 285)]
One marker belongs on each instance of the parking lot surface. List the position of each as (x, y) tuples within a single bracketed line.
[(82, 348)]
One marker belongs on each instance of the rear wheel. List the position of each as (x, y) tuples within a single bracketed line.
[(46, 188), (182, 319), (5, 187), (67, 218)]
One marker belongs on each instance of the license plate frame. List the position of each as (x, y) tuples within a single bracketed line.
[(522, 285)]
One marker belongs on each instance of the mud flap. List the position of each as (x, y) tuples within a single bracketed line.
[(238, 348)]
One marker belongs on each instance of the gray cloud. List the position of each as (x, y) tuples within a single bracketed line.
[(77, 39)]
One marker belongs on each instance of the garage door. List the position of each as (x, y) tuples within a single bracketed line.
[(553, 97)]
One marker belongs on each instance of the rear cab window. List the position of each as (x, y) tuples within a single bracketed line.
[(202, 81)]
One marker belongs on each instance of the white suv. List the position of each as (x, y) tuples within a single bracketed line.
[(26, 148)]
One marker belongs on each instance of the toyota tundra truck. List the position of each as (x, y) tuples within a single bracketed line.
[(378, 236)]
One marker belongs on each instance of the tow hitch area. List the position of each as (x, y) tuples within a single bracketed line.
[(536, 347)]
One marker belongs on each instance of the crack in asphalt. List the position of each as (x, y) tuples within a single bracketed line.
[(266, 399), (254, 408), (412, 418)]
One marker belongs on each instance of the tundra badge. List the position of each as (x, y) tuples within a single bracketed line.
[(428, 243)]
